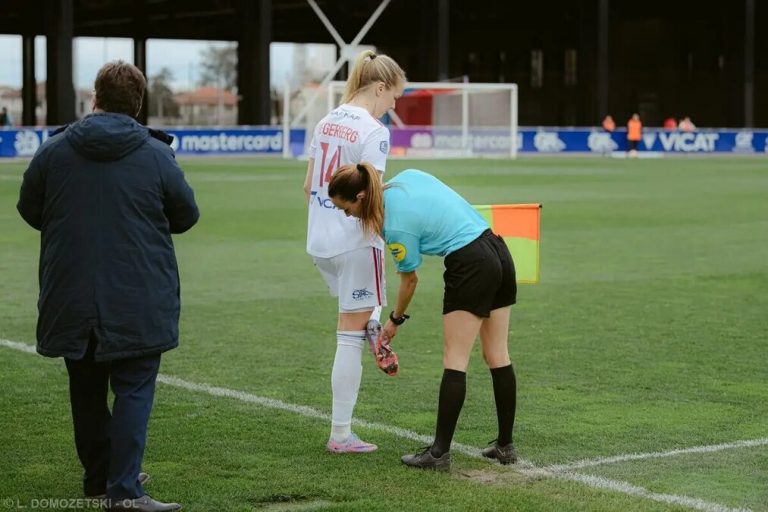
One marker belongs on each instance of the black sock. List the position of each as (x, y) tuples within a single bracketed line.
[(505, 393), (453, 388)]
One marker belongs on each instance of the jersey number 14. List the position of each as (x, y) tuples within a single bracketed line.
[(327, 172)]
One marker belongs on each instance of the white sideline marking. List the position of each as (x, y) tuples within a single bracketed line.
[(524, 467), (627, 488), (306, 411), (656, 455), (24, 347)]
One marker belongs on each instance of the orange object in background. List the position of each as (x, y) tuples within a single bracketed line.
[(519, 226), (609, 124)]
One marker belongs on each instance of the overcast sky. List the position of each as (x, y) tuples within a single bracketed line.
[(181, 57)]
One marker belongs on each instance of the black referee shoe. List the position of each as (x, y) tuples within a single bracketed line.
[(504, 454), (425, 460)]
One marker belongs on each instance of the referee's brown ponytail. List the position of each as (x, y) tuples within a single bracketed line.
[(350, 180)]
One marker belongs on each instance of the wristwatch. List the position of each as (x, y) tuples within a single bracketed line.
[(398, 320)]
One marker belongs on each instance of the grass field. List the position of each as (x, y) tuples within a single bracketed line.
[(648, 333)]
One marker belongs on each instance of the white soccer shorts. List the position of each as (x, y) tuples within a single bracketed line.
[(356, 278)]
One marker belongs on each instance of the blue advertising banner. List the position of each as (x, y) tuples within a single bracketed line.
[(243, 141), (563, 140), (24, 142), (597, 141)]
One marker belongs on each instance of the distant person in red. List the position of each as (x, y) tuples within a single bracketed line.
[(634, 133), (670, 123), (686, 125), (609, 124)]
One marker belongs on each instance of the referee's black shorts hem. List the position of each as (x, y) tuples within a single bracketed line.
[(480, 277)]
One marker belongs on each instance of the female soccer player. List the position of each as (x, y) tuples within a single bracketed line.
[(349, 260), (417, 214)]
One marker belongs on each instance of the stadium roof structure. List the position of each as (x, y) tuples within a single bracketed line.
[(574, 60)]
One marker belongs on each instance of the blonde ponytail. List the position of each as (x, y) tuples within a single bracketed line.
[(370, 68)]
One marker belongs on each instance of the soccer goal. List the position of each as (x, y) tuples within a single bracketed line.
[(430, 120)]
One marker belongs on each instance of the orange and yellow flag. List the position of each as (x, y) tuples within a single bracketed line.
[(519, 226)]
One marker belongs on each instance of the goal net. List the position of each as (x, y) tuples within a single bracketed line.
[(430, 120)]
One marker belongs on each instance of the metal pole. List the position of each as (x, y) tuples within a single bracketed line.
[(60, 90), (342, 60), (29, 83), (602, 58), (368, 24), (327, 23), (749, 63), (443, 40), (286, 124), (329, 104), (465, 119), (140, 61), (513, 122)]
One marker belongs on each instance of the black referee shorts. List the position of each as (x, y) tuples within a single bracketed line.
[(480, 277)]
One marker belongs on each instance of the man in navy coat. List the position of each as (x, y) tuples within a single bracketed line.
[(106, 194)]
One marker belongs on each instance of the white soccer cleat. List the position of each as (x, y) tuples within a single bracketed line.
[(352, 444)]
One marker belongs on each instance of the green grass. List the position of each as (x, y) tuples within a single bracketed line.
[(647, 333)]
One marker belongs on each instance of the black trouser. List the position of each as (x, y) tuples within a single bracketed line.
[(111, 445)]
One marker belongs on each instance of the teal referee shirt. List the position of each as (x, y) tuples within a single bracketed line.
[(423, 215)]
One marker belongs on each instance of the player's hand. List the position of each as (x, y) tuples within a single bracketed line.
[(389, 330)]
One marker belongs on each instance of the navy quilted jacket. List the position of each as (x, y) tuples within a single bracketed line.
[(106, 196)]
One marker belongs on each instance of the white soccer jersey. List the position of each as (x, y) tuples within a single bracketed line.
[(347, 135)]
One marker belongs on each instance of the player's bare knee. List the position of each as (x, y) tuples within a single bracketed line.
[(453, 361), (496, 359)]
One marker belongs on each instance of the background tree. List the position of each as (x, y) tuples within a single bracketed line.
[(161, 102), (219, 66)]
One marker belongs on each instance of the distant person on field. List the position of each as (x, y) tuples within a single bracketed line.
[(5, 118), (417, 214), (349, 260), (609, 125), (634, 134), (670, 123), (106, 195), (686, 125)]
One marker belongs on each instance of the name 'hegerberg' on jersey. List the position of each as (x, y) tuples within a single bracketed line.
[(347, 135), (340, 132)]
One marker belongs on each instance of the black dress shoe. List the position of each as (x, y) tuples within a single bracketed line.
[(143, 504), (143, 479)]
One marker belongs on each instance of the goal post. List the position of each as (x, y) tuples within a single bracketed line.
[(433, 119)]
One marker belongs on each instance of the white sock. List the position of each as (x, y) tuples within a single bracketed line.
[(345, 381), (376, 315)]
